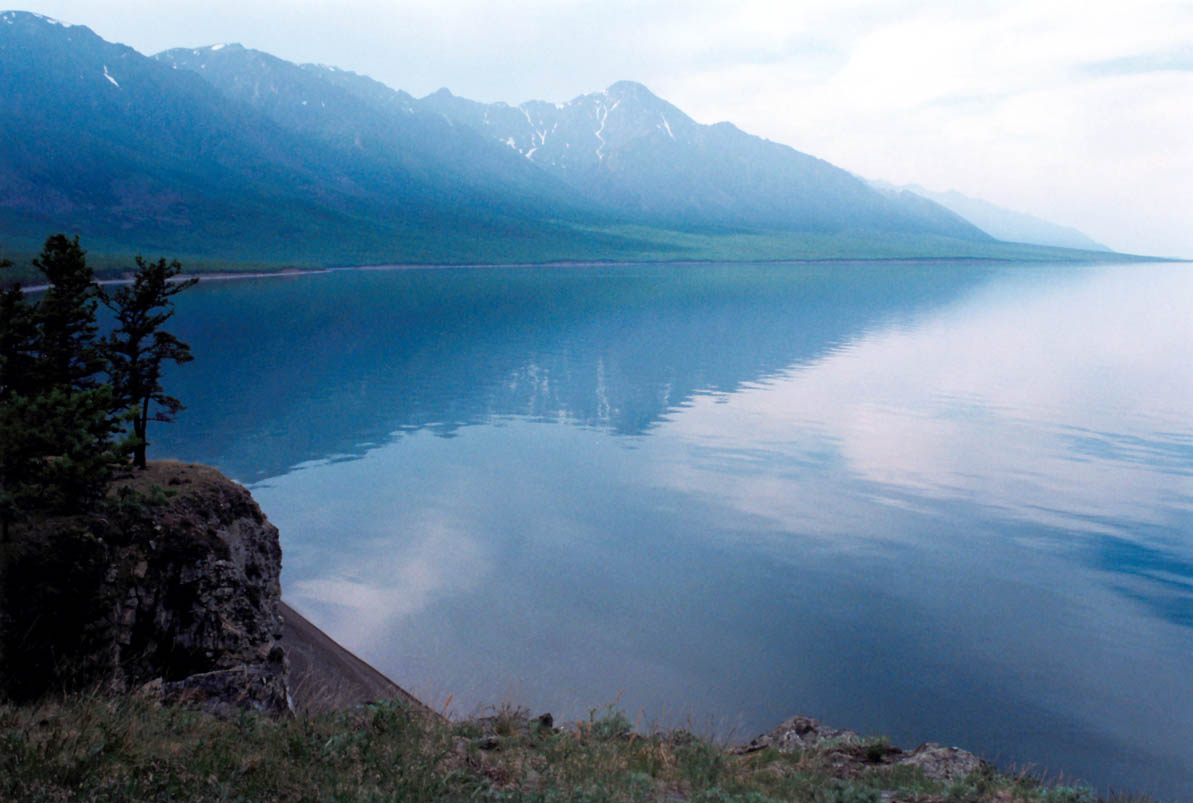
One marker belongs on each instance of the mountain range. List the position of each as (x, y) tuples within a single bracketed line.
[(998, 222), (227, 153)]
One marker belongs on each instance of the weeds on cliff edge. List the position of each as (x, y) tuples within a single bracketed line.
[(93, 747)]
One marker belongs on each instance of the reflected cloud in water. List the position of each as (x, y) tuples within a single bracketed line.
[(994, 401), (947, 502)]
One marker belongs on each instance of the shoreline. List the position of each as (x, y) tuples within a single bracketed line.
[(291, 272), (348, 711), (325, 675)]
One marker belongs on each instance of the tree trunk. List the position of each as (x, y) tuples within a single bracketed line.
[(3, 598), (139, 429)]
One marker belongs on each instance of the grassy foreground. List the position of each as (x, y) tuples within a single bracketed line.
[(102, 748)]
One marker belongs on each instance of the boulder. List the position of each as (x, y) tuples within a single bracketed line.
[(227, 692)]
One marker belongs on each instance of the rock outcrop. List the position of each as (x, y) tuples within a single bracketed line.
[(174, 588), (227, 692), (850, 755)]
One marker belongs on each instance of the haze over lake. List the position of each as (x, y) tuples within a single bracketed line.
[(940, 501)]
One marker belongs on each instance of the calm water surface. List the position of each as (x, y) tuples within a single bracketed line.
[(948, 502)]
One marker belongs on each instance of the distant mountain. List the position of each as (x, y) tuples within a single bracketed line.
[(97, 135), (1001, 223), (382, 132), (623, 151), (643, 157), (101, 139), (227, 153), (138, 154)]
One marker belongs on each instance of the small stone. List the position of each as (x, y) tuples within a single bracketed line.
[(488, 742)]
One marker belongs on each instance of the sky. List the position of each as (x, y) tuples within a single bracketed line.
[(1080, 112)]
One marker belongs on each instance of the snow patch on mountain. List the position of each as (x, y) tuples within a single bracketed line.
[(10, 17), (50, 20), (602, 115)]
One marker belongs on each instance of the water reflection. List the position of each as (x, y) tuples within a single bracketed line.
[(1079, 434), (947, 502), (333, 364), (1000, 403)]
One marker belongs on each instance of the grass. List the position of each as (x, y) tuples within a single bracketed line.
[(557, 242), (666, 245), (115, 265), (92, 747)]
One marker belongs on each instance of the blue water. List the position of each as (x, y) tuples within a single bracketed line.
[(941, 501)]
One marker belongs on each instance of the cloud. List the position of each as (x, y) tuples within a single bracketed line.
[(994, 103), (1179, 59)]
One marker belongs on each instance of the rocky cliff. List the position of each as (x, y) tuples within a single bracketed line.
[(173, 588)]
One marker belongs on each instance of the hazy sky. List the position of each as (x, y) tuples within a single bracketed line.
[(1078, 111)]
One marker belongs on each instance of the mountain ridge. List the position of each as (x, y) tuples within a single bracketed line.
[(999, 222), (225, 152), (641, 155)]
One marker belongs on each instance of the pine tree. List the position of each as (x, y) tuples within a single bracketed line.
[(56, 425), (16, 328), (17, 334), (138, 347), (65, 317)]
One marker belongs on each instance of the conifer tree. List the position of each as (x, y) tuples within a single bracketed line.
[(16, 360), (15, 338), (17, 335), (56, 428), (67, 343), (56, 425), (138, 347)]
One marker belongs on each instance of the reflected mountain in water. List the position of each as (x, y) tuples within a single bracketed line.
[(323, 367)]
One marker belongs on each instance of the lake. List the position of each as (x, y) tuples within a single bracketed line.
[(940, 501)]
